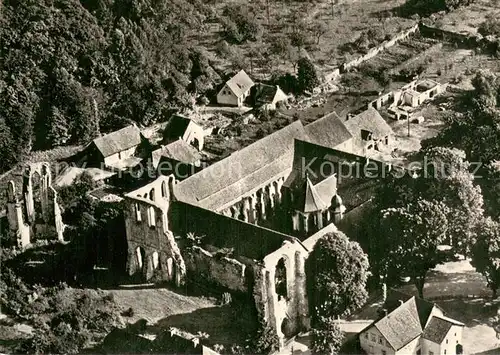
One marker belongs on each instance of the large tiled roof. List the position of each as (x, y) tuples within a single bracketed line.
[(437, 329), (369, 120), (118, 141), (242, 171), (328, 131), (178, 150), (240, 83), (400, 326)]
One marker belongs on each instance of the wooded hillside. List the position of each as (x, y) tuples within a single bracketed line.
[(70, 68)]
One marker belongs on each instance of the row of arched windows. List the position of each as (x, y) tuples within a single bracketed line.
[(141, 258), (151, 214)]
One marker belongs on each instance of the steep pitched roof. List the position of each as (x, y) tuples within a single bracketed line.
[(118, 141), (421, 308), (369, 120), (242, 171), (327, 188), (176, 127), (309, 199), (437, 329), (178, 150), (400, 326), (240, 83), (266, 94), (328, 131)]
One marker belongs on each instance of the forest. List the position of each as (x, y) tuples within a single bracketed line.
[(72, 69)]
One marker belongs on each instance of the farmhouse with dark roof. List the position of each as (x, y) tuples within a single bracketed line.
[(415, 326)]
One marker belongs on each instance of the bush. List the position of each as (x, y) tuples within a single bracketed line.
[(287, 82), (327, 337), (490, 27), (65, 320), (265, 340)]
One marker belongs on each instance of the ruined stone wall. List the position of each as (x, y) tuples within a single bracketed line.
[(287, 311), (466, 40), (226, 272), (194, 133), (153, 253), (289, 315), (371, 53), (376, 50), (19, 231), (221, 231), (37, 214)]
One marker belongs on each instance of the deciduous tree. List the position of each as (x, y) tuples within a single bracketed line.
[(319, 28), (57, 130), (486, 253), (307, 75), (409, 238), (337, 274)]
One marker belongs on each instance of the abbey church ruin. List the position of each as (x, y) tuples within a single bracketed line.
[(248, 223)]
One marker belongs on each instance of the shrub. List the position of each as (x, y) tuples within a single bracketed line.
[(490, 27), (327, 337), (427, 7), (265, 340)]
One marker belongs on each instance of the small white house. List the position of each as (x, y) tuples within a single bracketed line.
[(236, 90)]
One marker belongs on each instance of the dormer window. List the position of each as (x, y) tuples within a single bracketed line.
[(366, 135)]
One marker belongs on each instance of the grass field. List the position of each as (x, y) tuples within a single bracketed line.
[(163, 308), (466, 20), (343, 22)]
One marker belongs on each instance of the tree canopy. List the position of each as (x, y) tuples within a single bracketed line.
[(475, 129), (337, 274), (409, 239), (307, 75), (444, 176), (486, 253), (327, 337)]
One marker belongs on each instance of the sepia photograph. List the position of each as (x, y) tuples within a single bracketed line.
[(250, 177)]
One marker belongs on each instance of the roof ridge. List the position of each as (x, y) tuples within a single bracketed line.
[(448, 319), (252, 173)]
